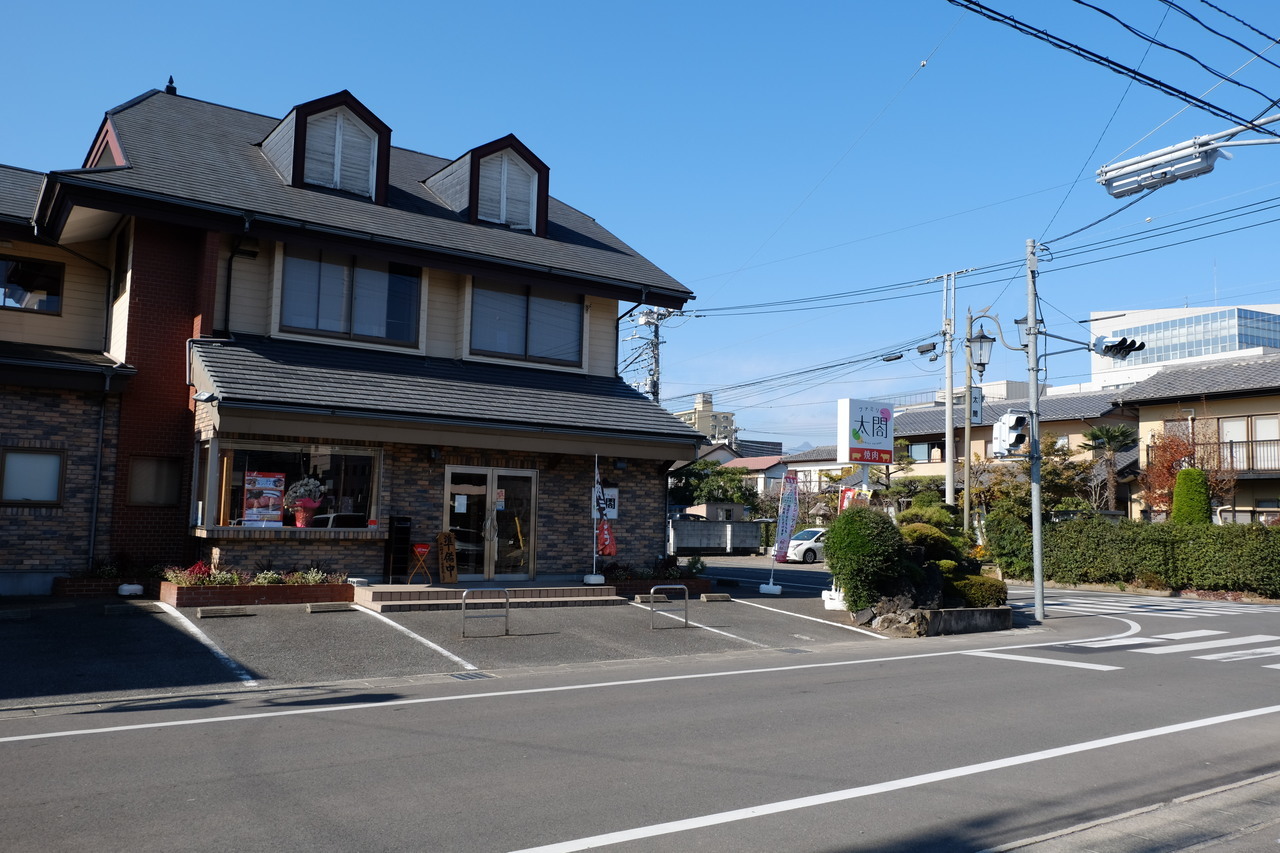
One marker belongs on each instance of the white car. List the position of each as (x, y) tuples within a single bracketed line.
[(806, 545)]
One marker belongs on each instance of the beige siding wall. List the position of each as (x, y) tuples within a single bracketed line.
[(602, 336), (251, 290), (278, 148), (445, 315), (84, 292)]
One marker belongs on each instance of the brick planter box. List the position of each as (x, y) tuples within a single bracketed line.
[(697, 586), (215, 596), (100, 587)]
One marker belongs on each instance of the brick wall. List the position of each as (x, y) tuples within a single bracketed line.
[(170, 299), (49, 540)]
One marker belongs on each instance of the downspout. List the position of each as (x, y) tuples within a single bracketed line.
[(97, 464)]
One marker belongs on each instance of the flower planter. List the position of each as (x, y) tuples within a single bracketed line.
[(697, 586), (98, 587), (214, 596)]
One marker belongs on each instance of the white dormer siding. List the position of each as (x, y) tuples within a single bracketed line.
[(508, 191), (340, 152)]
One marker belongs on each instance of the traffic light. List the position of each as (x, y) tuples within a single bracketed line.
[(1007, 434), (1117, 347)]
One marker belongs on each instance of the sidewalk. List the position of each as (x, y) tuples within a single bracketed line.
[(1240, 818)]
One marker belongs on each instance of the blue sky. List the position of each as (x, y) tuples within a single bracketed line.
[(762, 152)]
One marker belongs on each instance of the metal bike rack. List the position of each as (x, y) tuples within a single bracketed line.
[(505, 615), (653, 609)]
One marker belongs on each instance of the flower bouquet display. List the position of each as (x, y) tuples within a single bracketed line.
[(303, 498)]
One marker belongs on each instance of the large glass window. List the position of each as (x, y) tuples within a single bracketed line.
[(30, 285), (260, 486), (30, 476), (511, 321), (339, 294)]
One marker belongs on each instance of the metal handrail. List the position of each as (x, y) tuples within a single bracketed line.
[(505, 615), (653, 610)]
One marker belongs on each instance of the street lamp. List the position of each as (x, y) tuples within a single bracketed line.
[(977, 353), (1188, 159)]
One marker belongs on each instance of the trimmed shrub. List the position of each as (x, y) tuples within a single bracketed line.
[(979, 591), (1191, 498), (1008, 540), (864, 551), (938, 515), (935, 544)]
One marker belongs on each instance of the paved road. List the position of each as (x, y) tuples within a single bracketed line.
[(769, 729)]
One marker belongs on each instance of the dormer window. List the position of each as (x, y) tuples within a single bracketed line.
[(508, 191), (333, 142), (340, 152)]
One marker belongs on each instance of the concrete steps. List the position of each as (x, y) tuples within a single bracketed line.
[(390, 598)]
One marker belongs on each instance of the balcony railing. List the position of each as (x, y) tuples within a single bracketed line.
[(1242, 456)]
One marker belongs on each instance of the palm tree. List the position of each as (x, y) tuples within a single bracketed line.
[(1109, 439)]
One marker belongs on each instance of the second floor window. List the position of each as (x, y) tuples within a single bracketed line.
[(344, 296), (510, 321), (30, 285)]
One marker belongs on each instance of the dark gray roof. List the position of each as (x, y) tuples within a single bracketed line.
[(32, 355), (825, 453), (1219, 378), (1056, 407), (19, 191), (193, 152), (258, 372)]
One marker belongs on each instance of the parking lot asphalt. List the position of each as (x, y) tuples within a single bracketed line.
[(83, 652)]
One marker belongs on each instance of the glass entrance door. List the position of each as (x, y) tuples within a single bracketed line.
[(491, 514)]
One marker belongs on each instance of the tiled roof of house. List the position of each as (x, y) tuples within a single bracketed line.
[(185, 151), (19, 191), (754, 463), (825, 453), (258, 372), (1056, 407), (1219, 378)]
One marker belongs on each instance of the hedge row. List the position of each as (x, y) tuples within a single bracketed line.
[(1234, 557)]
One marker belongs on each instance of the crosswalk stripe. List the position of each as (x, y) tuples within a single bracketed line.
[(1121, 641), (1051, 661), (1243, 654), (1208, 644), (1187, 635)]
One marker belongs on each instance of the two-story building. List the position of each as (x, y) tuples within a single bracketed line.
[(219, 305)]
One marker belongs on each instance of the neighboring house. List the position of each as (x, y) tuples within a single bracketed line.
[(764, 473), (1066, 416), (717, 426), (1232, 411), (218, 304)]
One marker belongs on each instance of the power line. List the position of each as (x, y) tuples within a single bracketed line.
[(1097, 59)]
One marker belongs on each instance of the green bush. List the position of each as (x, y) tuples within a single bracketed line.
[(864, 551), (1191, 498), (939, 516), (1008, 541), (936, 544), (980, 591)]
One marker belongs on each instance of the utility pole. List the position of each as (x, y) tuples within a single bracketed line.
[(1033, 428), (948, 348), (651, 385)]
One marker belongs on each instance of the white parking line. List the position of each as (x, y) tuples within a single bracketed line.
[(1053, 661), (696, 625), (417, 638), (814, 619), (230, 663)]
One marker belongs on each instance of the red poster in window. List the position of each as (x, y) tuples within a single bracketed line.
[(263, 499)]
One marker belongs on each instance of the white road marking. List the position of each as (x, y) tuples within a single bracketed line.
[(1189, 635), (763, 809), (229, 662), (1207, 644), (418, 638), (696, 625), (1053, 661), (815, 619), (1123, 641), (1243, 654)]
